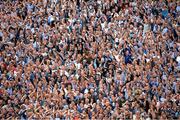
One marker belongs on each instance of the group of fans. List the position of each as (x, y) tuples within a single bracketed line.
[(89, 59)]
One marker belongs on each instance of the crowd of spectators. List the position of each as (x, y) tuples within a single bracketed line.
[(89, 59)]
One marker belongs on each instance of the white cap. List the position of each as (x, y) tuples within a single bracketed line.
[(178, 59)]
